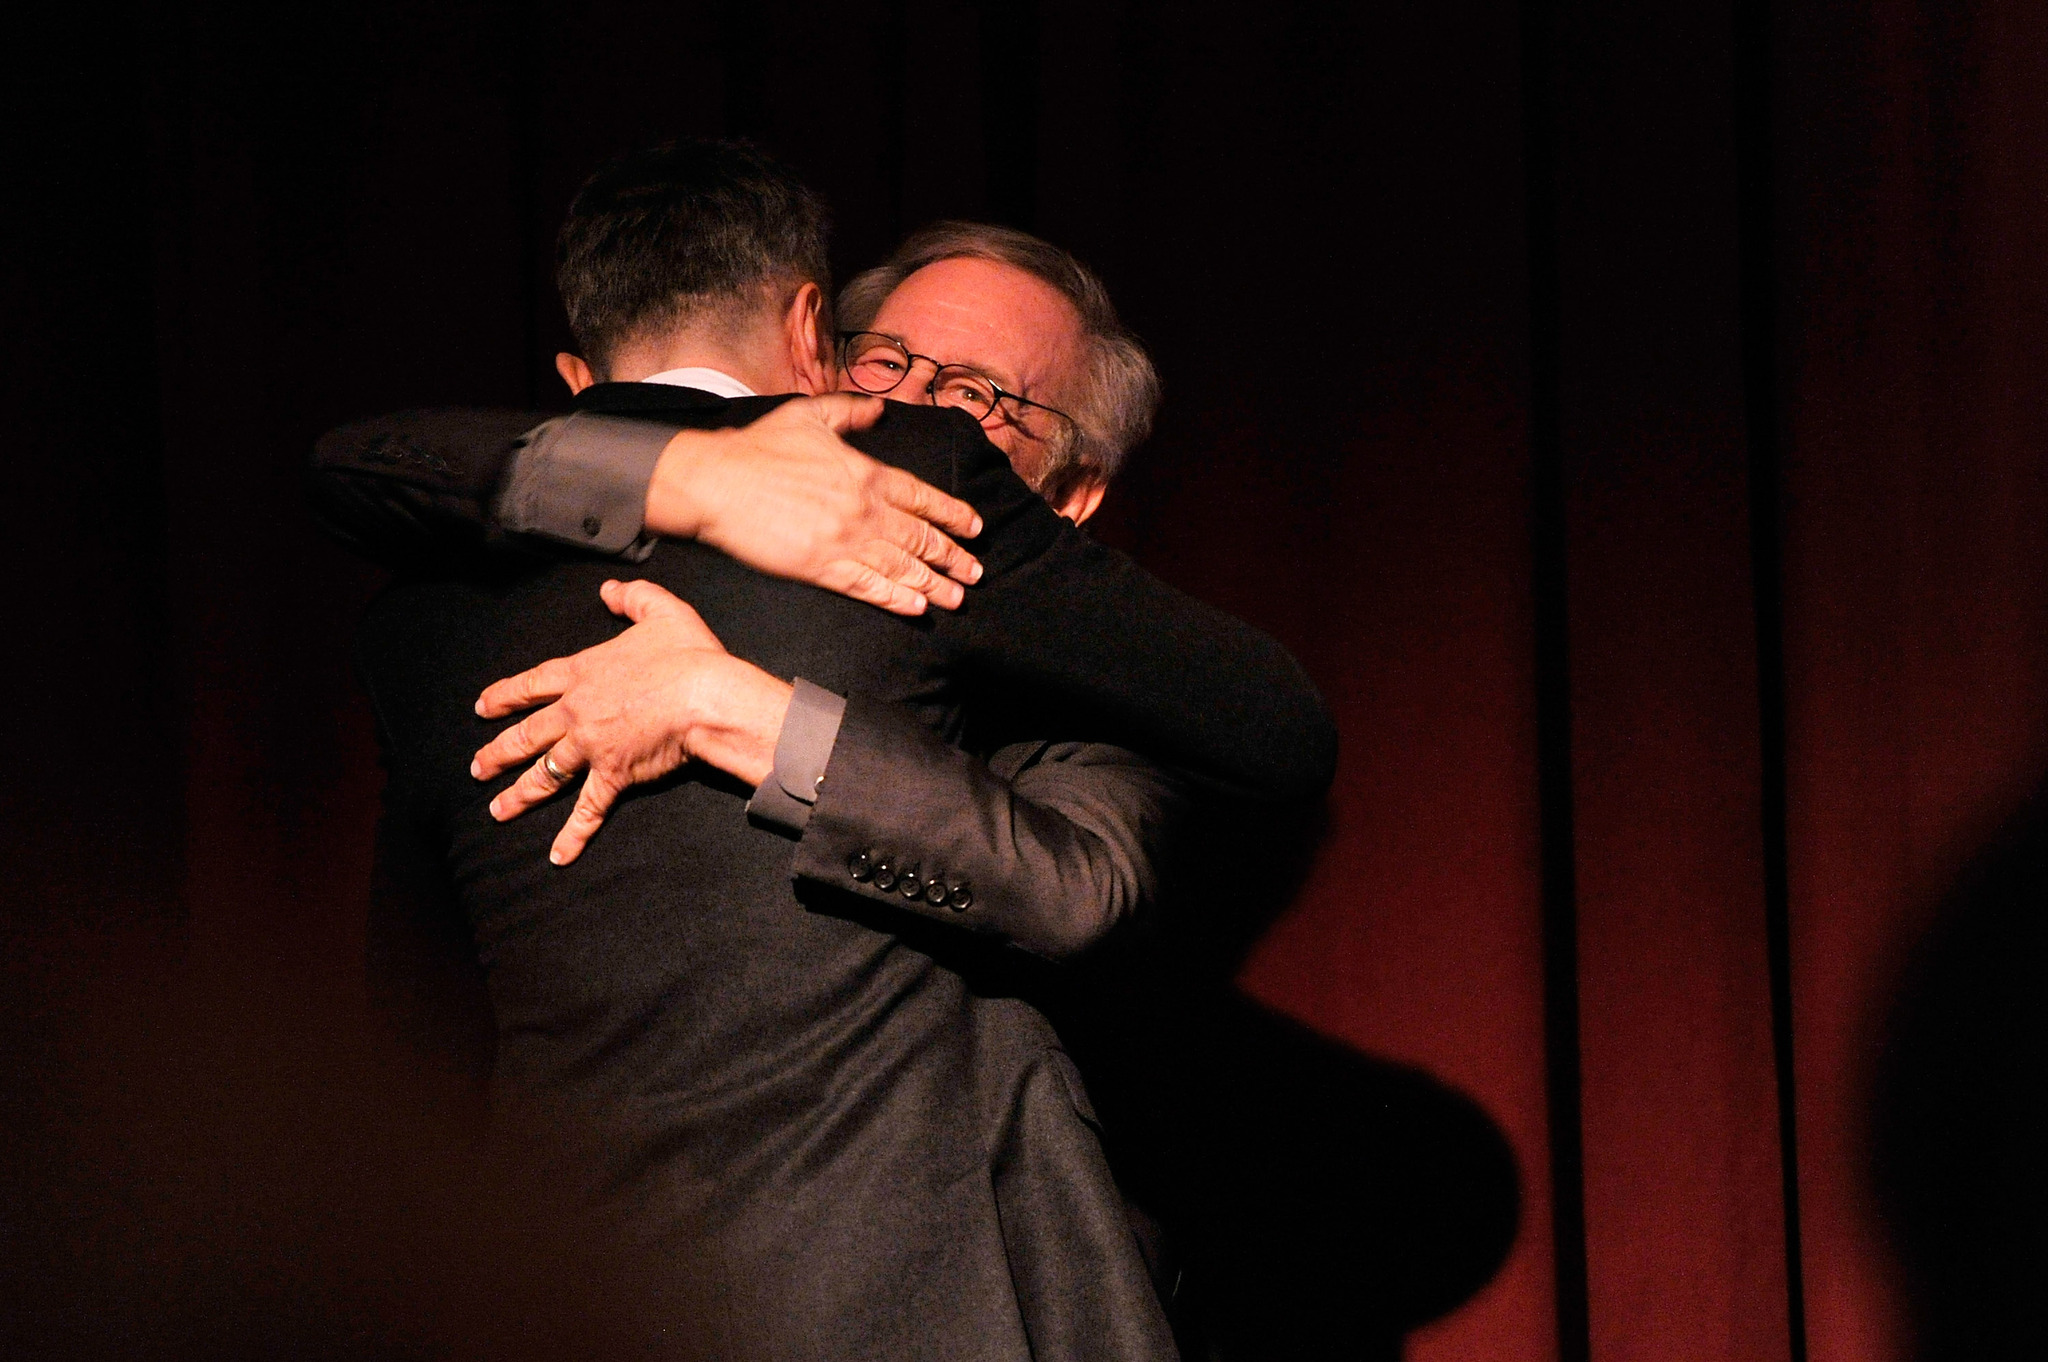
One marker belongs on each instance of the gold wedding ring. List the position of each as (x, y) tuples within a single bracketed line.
[(555, 773)]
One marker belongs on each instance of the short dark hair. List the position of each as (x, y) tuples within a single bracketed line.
[(661, 236)]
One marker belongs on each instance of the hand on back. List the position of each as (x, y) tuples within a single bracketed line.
[(629, 711), (789, 497)]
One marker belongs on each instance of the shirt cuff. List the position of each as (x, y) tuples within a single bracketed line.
[(802, 752), (582, 479)]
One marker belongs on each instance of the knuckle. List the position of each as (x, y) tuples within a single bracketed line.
[(894, 562), (873, 587)]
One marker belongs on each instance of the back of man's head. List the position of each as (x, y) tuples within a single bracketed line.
[(686, 235)]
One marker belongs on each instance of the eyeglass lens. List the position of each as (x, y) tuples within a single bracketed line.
[(877, 364)]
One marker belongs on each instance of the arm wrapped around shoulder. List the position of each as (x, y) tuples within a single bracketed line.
[(416, 487), (1079, 632)]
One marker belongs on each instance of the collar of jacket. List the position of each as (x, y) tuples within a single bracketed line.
[(627, 399)]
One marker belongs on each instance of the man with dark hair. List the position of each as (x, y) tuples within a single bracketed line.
[(736, 274), (838, 1128)]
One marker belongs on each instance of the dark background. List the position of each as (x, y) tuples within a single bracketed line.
[(1632, 415)]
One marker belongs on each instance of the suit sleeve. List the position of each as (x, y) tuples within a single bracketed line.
[(462, 488), (1049, 846), (1106, 650)]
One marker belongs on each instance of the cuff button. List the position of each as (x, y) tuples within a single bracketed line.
[(860, 865), (912, 886), (961, 898), (934, 893), (885, 876)]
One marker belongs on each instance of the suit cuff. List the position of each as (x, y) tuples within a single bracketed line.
[(582, 479), (802, 752), (904, 807)]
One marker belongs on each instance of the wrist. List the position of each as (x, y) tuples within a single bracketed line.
[(739, 720), (675, 501)]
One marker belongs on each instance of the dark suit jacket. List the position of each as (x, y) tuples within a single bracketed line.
[(854, 1146)]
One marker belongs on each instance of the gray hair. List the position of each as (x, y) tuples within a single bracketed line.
[(1119, 388)]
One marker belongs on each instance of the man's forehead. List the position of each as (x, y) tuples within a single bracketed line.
[(983, 313)]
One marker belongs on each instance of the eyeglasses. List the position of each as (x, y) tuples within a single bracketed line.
[(878, 364)]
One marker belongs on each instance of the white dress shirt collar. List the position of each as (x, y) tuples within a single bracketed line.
[(706, 380)]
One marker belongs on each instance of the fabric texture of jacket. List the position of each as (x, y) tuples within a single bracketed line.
[(844, 1131)]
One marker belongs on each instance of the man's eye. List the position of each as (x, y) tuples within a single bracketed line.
[(966, 392)]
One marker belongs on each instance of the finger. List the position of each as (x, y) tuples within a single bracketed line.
[(858, 580), (593, 802), (640, 600), (901, 568), (909, 493), (842, 412), (919, 539), (537, 732), (537, 784), (644, 601), (534, 686)]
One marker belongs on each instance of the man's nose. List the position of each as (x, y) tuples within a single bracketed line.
[(918, 381)]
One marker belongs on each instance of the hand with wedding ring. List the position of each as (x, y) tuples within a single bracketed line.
[(628, 711)]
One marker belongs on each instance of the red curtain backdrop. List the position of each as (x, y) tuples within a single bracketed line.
[(1916, 553), (1632, 416)]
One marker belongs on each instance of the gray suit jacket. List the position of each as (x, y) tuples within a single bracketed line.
[(846, 1138), (1062, 843)]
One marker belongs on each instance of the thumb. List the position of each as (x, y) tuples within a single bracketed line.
[(845, 412), (640, 601)]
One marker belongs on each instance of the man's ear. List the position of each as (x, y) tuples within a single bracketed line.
[(574, 372), (810, 349), (1082, 499)]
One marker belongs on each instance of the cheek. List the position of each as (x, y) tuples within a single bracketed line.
[(1025, 454)]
